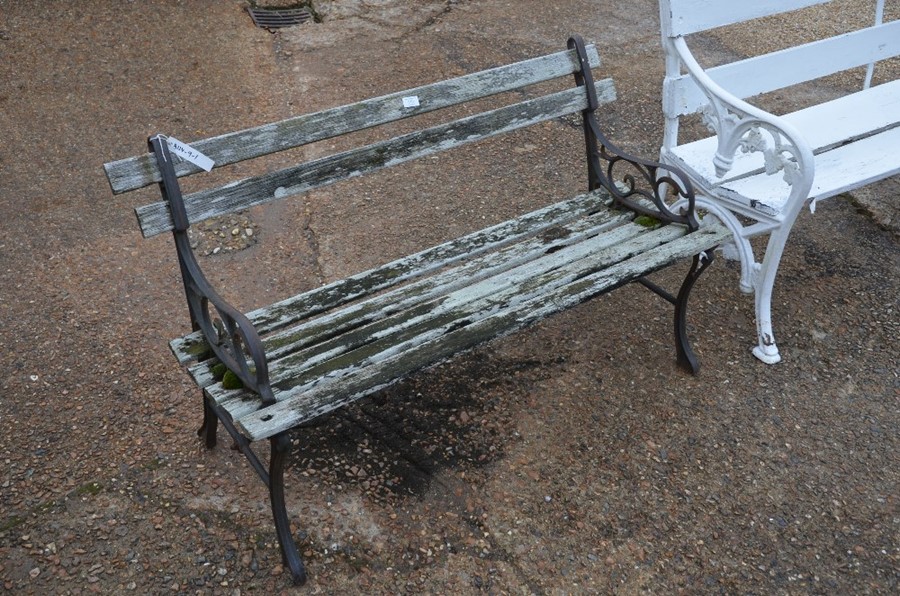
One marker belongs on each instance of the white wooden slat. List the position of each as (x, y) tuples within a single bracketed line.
[(848, 118), (333, 393), (523, 277), (837, 171), (791, 66), (137, 172), (308, 304), (155, 218), (462, 306), (347, 321), (683, 17)]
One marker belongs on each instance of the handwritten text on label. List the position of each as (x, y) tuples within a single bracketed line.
[(186, 152)]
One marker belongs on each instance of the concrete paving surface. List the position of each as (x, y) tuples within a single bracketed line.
[(571, 458)]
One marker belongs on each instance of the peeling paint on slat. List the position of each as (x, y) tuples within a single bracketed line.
[(474, 300), (474, 270), (323, 364), (155, 217), (369, 376), (136, 172), (286, 312)]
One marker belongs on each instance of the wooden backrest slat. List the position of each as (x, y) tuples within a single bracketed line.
[(155, 218), (683, 17), (791, 66), (139, 171)]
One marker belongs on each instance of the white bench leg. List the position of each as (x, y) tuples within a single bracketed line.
[(766, 350), (758, 279), (739, 249)]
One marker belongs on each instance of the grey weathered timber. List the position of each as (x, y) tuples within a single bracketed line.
[(140, 171), (392, 348), (309, 354), (235, 196), (307, 305), (489, 276), (319, 398)]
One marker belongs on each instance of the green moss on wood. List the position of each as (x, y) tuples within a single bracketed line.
[(231, 381), (647, 221), (218, 371)]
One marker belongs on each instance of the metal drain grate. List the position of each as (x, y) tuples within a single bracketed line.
[(273, 18)]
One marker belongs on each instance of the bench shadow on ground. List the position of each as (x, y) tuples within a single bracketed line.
[(394, 443), (396, 478)]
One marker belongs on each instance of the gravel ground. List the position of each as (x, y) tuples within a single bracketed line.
[(552, 462)]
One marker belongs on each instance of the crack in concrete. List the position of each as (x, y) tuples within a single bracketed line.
[(312, 241)]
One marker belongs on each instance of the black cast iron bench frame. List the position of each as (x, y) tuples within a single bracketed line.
[(252, 346)]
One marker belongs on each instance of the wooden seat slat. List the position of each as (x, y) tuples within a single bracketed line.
[(339, 356), (329, 393), (286, 312), (470, 271), (465, 298), (403, 299)]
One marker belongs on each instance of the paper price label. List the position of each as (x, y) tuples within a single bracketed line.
[(188, 153), (411, 101)]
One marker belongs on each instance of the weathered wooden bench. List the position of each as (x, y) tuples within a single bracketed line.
[(307, 355), (759, 169)]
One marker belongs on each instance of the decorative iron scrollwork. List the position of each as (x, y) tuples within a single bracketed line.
[(643, 186), (228, 333), (737, 130)]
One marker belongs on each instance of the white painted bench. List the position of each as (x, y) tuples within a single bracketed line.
[(310, 354), (759, 169)]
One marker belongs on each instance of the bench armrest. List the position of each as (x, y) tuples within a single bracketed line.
[(742, 126), (642, 185), (626, 176), (229, 334)]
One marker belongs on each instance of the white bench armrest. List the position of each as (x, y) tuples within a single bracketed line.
[(742, 126)]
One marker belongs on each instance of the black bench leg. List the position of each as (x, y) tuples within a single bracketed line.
[(685, 355), (281, 448), (210, 424)]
